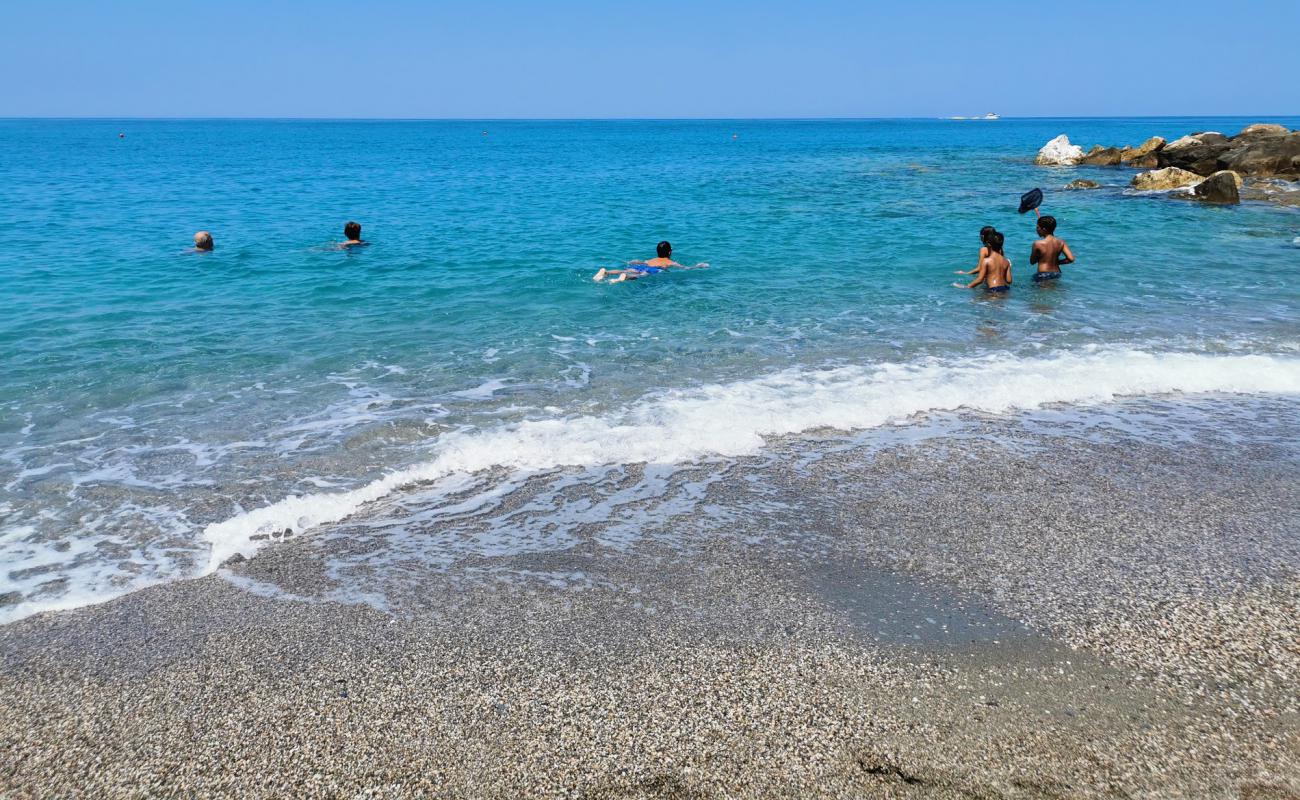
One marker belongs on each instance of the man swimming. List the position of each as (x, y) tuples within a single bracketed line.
[(994, 270), (1049, 252), (352, 232), (203, 241), (635, 269)]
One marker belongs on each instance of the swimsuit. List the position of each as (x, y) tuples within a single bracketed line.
[(1046, 276), (649, 270), (996, 289)]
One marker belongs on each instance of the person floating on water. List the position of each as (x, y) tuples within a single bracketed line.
[(984, 253), (203, 241), (1049, 252), (636, 269), (994, 270), (352, 232)]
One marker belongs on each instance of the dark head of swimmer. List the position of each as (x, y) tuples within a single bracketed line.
[(984, 234), (995, 242), (1046, 225), (352, 232), (664, 250)]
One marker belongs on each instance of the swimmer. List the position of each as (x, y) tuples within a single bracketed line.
[(1049, 252), (635, 269), (994, 270), (202, 241), (352, 232)]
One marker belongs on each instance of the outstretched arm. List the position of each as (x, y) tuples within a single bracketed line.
[(980, 276), (984, 251)]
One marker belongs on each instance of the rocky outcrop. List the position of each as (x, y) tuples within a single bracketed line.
[(1264, 156), (1197, 153), (1105, 157), (1221, 187), (1262, 129), (1262, 152), (1143, 151), (1059, 153), (1167, 178)]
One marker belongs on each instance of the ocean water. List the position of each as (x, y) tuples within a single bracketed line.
[(163, 410)]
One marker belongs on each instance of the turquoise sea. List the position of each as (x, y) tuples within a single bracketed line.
[(162, 410)]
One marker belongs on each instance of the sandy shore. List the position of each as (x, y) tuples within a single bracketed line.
[(1108, 624)]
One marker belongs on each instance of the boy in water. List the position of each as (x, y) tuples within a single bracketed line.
[(994, 270), (662, 261), (352, 232), (984, 251), (1049, 252)]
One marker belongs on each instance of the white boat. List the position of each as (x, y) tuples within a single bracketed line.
[(990, 115)]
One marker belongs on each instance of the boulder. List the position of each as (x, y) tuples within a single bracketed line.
[(1106, 157), (1150, 147), (1148, 161), (1265, 156), (1083, 183), (1197, 153), (1262, 129), (1167, 178), (1221, 187), (1095, 149), (1059, 152)]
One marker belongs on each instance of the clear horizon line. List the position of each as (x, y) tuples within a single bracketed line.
[(92, 118)]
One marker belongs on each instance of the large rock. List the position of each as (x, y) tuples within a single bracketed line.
[(1148, 161), (1148, 148), (1265, 156), (1197, 153), (1221, 187), (1059, 152), (1262, 129), (1106, 157), (1167, 178), (1083, 183)]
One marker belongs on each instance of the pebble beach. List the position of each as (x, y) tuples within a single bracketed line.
[(1118, 621)]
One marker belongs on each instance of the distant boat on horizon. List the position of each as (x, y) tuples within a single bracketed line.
[(989, 116)]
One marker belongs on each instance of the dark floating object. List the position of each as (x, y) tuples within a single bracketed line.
[(1030, 200)]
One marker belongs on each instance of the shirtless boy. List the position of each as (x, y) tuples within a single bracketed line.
[(1049, 252), (994, 270), (662, 261)]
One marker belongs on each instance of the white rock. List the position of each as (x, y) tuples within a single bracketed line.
[(1059, 152)]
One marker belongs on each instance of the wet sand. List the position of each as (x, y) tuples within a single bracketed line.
[(1116, 618)]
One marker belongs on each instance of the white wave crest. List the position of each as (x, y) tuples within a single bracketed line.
[(734, 419)]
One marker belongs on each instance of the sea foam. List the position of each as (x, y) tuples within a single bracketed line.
[(734, 419)]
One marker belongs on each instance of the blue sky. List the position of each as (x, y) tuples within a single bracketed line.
[(574, 58)]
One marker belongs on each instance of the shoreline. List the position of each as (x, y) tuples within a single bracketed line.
[(1109, 623)]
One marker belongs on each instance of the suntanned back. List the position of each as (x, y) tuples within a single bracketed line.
[(1047, 252), (996, 269)]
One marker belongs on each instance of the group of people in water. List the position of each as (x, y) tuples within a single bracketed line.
[(993, 270), (351, 234)]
